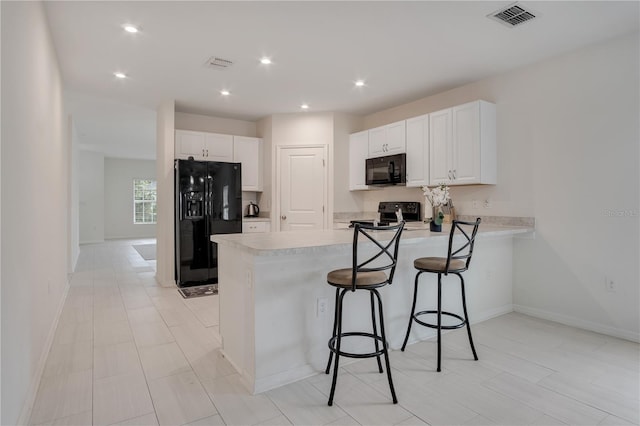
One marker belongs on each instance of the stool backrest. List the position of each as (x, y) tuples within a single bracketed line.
[(465, 250), (387, 252)]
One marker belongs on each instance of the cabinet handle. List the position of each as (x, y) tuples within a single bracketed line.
[(283, 217)]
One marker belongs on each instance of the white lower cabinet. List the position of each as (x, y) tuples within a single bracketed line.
[(255, 226)]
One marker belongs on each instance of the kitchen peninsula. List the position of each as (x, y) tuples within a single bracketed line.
[(276, 309)]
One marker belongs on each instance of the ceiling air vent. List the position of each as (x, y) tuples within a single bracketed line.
[(512, 15), (218, 63)]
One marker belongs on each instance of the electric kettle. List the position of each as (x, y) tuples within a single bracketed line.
[(252, 209)]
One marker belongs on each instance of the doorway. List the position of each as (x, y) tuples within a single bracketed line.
[(302, 187)]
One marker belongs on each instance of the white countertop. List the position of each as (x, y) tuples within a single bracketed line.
[(294, 242), (256, 219)]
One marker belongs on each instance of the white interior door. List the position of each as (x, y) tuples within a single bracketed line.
[(303, 188)]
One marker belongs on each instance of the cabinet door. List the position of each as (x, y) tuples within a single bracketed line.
[(465, 166), (396, 138), (248, 151), (377, 141), (439, 147), (189, 143), (418, 151), (218, 147), (358, 151), (254, 227)]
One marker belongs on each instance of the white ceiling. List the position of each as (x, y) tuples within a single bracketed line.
[(403, 50)]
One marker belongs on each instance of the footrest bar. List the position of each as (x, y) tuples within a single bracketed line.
[(332, 343), (443, 327)]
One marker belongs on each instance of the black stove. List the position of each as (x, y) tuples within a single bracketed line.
[(387, 209), (410, 210)]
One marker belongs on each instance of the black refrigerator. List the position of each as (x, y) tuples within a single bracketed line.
[(208, 200)]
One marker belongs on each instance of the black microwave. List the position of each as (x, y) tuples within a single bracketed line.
[(388, 170)]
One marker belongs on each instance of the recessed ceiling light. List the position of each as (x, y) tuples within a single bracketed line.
[(130, 28), (225, 92), (265, 61), (120, 75), (304, 106), (359, 83)]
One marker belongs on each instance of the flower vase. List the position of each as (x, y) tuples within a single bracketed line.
[(433, 226)]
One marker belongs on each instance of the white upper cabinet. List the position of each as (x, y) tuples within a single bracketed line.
[(417, 135), (387, 140), (462, 144), (358, 152), (218, 147), (203, 146), (439, 146), (249, 152), (189, 143)]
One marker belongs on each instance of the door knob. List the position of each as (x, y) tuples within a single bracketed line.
[(283, 217)]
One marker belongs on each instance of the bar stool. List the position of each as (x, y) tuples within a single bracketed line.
[(456, 262), (370, 275)]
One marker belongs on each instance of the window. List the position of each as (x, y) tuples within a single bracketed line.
[(144, 201)]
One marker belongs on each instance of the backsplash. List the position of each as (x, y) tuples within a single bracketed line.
[(502, 220)]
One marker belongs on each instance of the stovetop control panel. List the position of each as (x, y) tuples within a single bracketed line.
[(410, 210)]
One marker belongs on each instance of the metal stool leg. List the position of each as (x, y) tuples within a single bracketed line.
[(413, 311), (335, 323), (439, 318), (338, 339), (375, 331), (384, 347), (466, 317)]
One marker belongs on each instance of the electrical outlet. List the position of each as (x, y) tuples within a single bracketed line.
[(475, 205), (322, 305), (487, 203), (609, 285)]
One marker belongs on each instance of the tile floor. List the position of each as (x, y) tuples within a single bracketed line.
[(130, 352)]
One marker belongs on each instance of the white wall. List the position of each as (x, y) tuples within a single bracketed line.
[(344, 200), (205, 123), (119, 174), (91, 194), (568, 132), (35, 184), (264, 131), (290, 130), (584, 150), (74, 197), (165, 133)]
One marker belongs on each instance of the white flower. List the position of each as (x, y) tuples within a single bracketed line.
[(438, 196)]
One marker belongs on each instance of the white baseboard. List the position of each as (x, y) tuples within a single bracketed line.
[(30, 399), (128, 237), (579, 323), (91, 242), (263, 384)]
